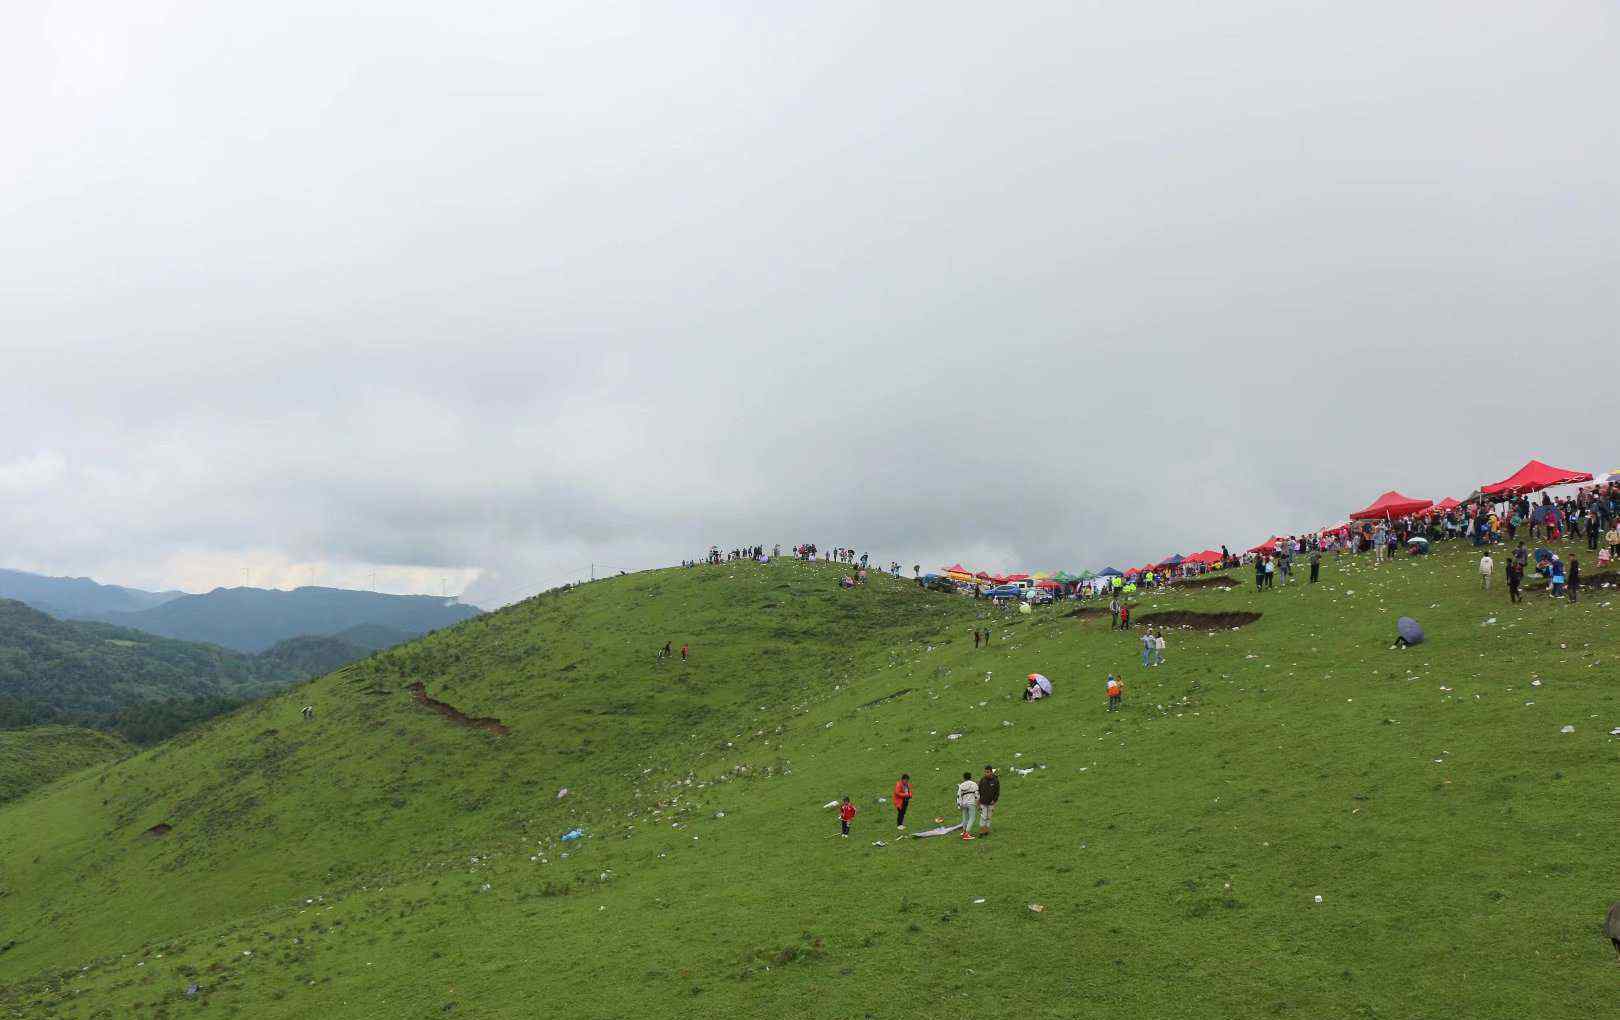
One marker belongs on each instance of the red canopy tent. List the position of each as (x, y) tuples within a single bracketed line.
[(981, 575), (1392, 504), (955, 568), (1269, 545), (1049, 585), (1207, 556), (1533, 477), (1441, 507), (1016, 577)]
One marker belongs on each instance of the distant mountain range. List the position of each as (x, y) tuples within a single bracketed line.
[(248, 620), (77, 598)]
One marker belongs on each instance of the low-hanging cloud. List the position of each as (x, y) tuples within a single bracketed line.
[(489, 301)]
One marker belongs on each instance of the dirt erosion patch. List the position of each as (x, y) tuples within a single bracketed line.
[(454, 714), (1087, 613), (1215, 581), (1197, 621), (158, 831)]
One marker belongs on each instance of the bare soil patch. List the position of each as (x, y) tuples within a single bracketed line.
[(1087, 613), (455, 715), (1197, 621), (1211, 581), (902, 692)]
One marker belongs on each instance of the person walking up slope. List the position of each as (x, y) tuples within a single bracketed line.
[(1486, 566), (989, 793), (967, 798)]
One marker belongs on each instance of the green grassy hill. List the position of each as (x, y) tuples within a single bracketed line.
[(401, 854), (40, 755)]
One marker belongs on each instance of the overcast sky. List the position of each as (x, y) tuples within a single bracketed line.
[(476, 294)]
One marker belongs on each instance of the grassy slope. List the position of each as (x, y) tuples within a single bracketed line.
[(39, 755), (1291, 758)]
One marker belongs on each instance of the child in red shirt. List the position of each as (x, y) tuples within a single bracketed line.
[(846, 811)]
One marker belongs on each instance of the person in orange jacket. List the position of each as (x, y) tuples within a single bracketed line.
[(902, 800), (1116, 690), (846, 813)]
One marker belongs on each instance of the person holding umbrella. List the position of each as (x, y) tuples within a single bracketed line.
[(1037, 687)]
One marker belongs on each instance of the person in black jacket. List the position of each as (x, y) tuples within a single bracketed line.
[(989, 793), (1574, 580)]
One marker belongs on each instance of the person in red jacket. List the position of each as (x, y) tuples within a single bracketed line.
[(846, 811), (902, 799)]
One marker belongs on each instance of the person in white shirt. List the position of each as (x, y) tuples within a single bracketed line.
[(1486, 565), (967, 798), (1158, 649)]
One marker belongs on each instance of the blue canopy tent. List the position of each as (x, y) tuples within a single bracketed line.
[(1109, 572)]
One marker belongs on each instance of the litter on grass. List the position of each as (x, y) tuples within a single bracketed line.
[(944, 830), (571, 835), (1566, 729)]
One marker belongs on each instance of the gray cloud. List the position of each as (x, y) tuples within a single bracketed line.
[(492, 295)]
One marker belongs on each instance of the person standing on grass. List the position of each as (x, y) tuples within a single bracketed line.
[(1116, 690), (987, 637), (846, 814), (1124, 617), (1486, 566), (1148, 644), (902, 800), (1316, 565), (1158, 649), (683, 652), (989, 793), (967, 798), (975, 637), (1259, 572), (1574, 580)]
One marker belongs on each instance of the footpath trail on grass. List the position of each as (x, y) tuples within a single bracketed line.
[(376, 862)]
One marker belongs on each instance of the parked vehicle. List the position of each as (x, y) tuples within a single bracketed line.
[(1037, 596), (1005, 591)]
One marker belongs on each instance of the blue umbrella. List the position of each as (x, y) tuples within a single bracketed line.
[(1418, 544), (1542, 554), (1109, 572), (1409, 630)]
